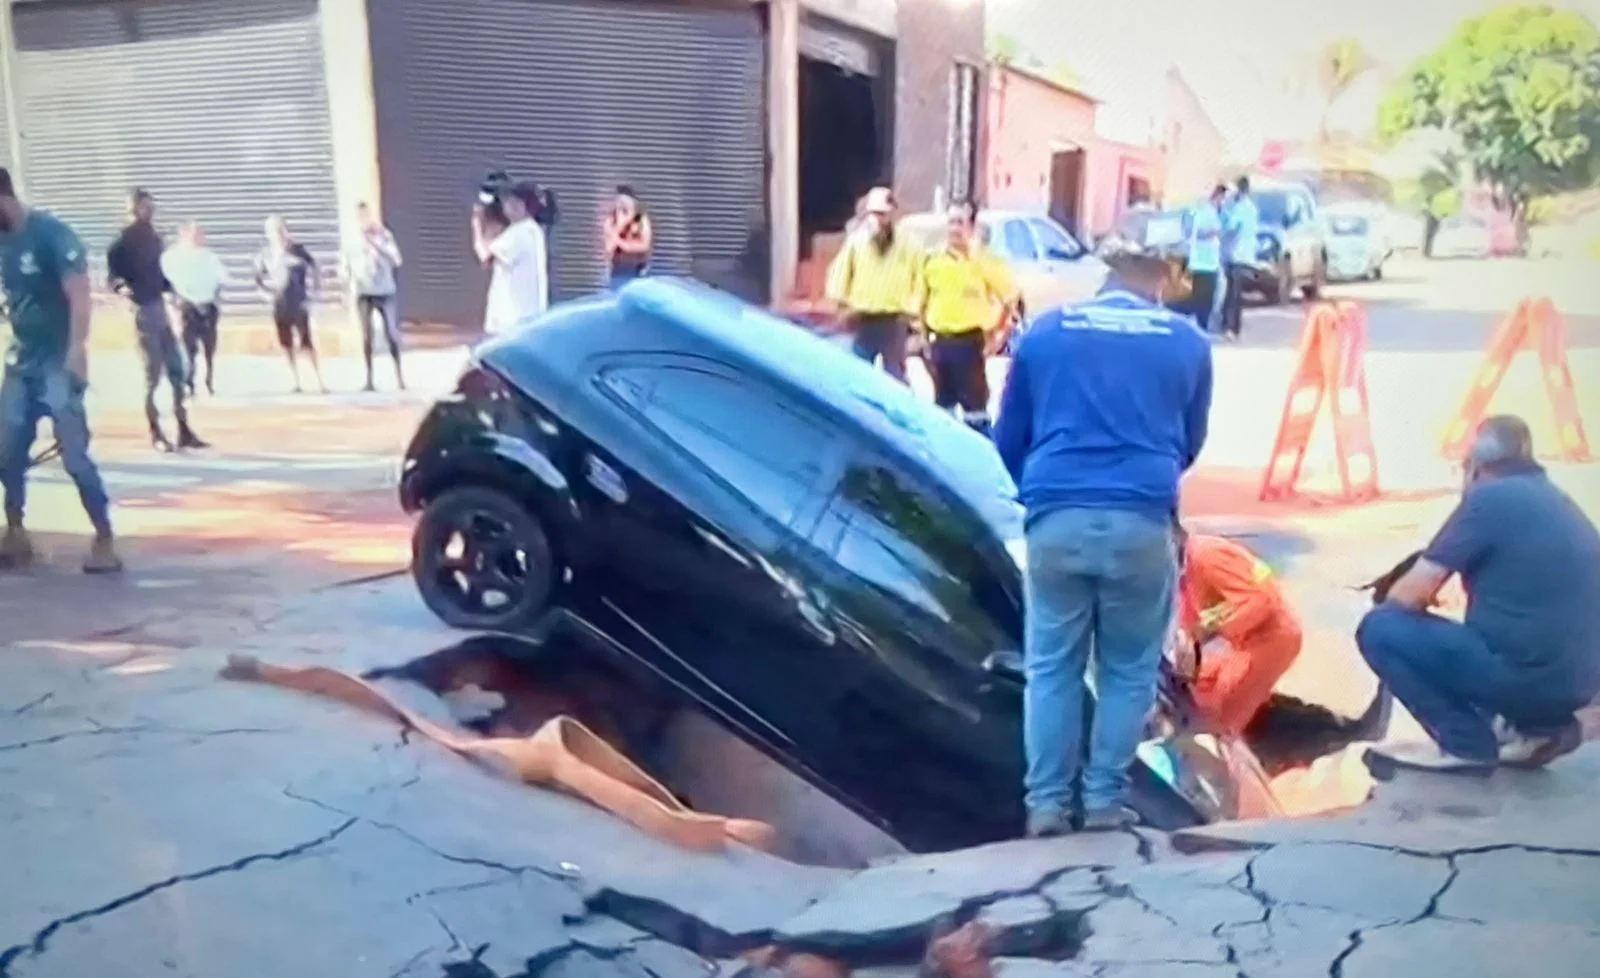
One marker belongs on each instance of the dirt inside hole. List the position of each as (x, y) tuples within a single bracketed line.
[(498, 686)]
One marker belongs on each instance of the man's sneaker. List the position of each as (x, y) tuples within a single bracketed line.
[(1111, 819), (16, 549), (188, 439), (102, 557), (1048, 823), (1428, 756), (1537, 751)]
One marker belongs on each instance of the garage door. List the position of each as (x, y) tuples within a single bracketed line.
[(580, 95), (218, 107)]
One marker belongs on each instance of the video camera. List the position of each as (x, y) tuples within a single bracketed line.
[(498, 189)]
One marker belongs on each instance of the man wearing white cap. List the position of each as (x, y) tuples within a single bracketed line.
[(873, 281)]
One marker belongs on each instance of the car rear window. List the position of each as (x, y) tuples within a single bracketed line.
[(1348, 224)]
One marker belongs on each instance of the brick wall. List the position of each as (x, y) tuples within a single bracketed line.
[(933, 36)]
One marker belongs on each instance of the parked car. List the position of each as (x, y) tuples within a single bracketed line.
[(800, 547), (1155, 231), (1357, 242), (1052, 267), (1291, 250), (1463, 236)]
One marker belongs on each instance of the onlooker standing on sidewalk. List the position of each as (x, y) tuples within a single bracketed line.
[(1205, 256), (873, 281), (371, 265), (1241, 227), (134, 266), (628, 238), (197, 276), (1528, 651), (44, 271), (287, 273), (1105, 407), (511, 244), (967, 303)]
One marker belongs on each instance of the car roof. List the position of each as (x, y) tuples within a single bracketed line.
[(680, 315)]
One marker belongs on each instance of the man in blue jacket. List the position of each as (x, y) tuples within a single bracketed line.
[(1105, 408)]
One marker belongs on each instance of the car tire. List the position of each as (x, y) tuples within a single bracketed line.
[(1312, 290), (1377, 274), (1278, 291), (504, 550)]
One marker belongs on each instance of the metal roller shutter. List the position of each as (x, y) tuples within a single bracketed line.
[(580, 95), (218, 107)]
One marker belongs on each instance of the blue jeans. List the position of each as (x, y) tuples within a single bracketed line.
[(1100, 582), (1454, 684), (28, 396)]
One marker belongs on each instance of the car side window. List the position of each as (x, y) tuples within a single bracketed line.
[(768, 454), (1018, 241), (905, 540), (1055, 241)]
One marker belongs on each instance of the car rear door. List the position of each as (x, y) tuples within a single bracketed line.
[(704, 504), (921, 731)]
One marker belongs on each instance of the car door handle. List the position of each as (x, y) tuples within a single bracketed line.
[(816, 620)]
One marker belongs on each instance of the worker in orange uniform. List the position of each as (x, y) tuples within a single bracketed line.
[(1237, 633)]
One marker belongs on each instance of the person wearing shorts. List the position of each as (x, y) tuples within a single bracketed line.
[(968, 299), (287, 273)]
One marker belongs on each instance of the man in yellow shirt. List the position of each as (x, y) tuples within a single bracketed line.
[(873, 281), (967, 301)]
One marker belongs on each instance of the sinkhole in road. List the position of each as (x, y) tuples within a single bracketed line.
[(501, 686)]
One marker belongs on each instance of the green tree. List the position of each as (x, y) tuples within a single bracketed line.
[(1520, 89)]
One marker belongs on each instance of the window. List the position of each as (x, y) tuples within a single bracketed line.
[(903, 540), (962, 148), (1054, 241), (765, 452), (1017, 241)]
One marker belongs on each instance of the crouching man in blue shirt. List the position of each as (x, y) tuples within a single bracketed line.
[(1104, 409), (1505, 685)]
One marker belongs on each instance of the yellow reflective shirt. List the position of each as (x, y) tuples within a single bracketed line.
[(962, 293), (866, 280)]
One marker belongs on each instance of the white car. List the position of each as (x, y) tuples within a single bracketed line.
[(1052, 268), (1357, 242), (1463, 236)]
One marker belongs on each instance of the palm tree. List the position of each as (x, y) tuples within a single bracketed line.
[(1338, 66)]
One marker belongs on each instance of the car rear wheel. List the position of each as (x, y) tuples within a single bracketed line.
[(1312, 290), (482, 561), (1278, 291)]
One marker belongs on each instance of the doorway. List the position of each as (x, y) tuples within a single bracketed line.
[(841, 146), (1066, 188)]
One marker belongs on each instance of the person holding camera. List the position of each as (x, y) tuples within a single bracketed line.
[(510, 242), (628, 238)]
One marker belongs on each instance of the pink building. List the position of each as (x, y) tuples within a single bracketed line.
[(1045, 153)]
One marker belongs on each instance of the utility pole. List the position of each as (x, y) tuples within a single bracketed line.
[(783, 142)]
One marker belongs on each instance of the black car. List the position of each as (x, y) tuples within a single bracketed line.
[(798, 545)]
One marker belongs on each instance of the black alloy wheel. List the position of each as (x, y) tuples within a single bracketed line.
[(482, 561)]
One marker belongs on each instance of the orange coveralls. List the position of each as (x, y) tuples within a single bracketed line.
[(1227, 593)]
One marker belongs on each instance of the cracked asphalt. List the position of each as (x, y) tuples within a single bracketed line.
[(159, 821)]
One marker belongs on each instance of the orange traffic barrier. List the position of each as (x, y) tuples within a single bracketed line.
[(1535, 324), (1331, 368)]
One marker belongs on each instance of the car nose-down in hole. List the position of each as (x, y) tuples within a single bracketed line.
[(795, 544)]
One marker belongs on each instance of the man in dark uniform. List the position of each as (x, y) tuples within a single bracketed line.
[(42, 264), (134, 266)]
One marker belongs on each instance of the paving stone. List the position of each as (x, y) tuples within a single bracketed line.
[(1122, 931), (1440, 813), (1199, 893), (1464, 950), (1517, 885), (1292, 942), (1035, 968), (898, 904), (1372, 884)]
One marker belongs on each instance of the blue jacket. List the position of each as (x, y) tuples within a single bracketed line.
[(1105, 407)]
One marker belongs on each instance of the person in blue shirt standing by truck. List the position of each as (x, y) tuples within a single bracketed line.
[(1105, 408), (1241, 227), (1205, 256), (44, 270)]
